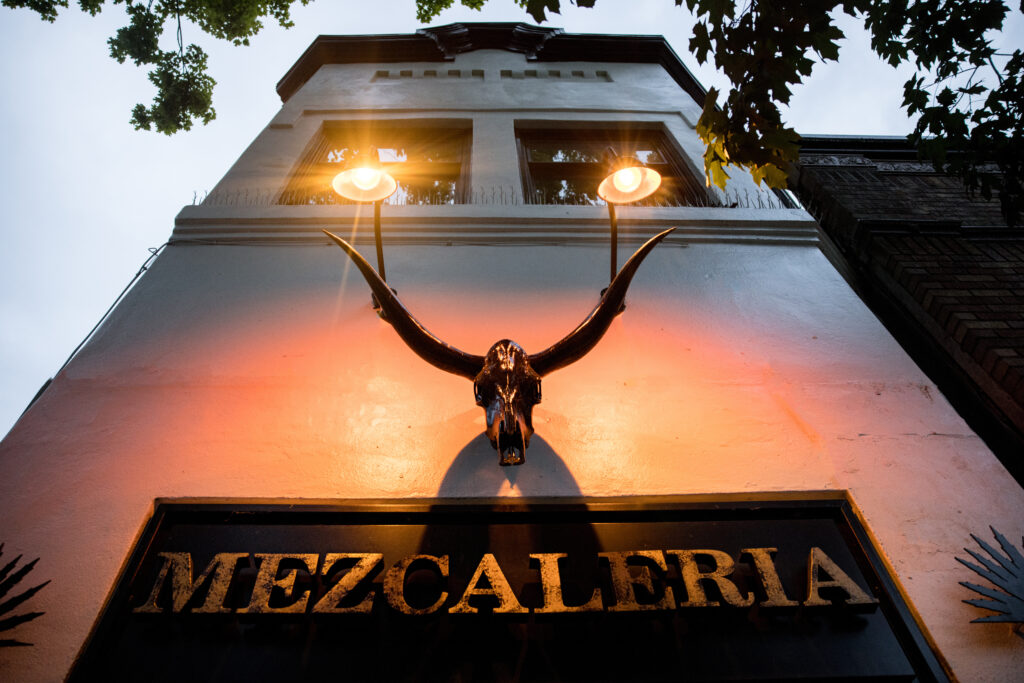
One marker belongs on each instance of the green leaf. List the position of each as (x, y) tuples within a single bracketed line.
[(709, 116), (700, 42), (428, 9), (538, 8), (717, 174), (184, 93), (772, 175), (783, 143), (140, 39), (47, 9)]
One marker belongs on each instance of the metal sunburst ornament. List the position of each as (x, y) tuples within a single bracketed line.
[(8, 581), (1003, 571)]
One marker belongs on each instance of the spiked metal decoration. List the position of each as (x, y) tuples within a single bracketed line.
[(506, 381), (1003, 571), (6, 584)]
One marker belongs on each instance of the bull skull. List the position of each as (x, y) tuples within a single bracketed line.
[(506, 382)]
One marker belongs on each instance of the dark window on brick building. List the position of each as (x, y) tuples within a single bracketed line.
[(430, 161)]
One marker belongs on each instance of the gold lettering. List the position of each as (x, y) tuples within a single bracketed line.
[(267, 580), (819, 560), (769, 575), (179, 565), (346, 583), (394, 584), (624, 581), (551, 583), (692, 576), (499, 588)]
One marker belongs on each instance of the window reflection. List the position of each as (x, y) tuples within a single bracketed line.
[(565, 166), (430, 163)]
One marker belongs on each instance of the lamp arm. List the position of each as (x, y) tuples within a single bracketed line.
[(418, 338), (580, 341)]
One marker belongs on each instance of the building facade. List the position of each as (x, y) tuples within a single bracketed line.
[(247, 368), (942, 270)]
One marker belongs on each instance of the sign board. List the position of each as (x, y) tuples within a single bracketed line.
[(629, 589)]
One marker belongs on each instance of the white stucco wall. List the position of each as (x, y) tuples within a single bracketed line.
[(344, 92), (743, 363)]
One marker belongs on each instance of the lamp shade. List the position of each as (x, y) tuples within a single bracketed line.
[(628, 180), (364, 180)]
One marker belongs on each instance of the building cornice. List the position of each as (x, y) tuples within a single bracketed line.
[(874, 147), (443, 43), (453, 39), (492, 225)]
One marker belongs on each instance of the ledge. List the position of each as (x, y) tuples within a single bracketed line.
[(475, 224)]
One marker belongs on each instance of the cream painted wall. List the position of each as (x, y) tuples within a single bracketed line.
[(743, 363)]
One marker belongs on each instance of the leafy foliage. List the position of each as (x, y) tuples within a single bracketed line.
[(965, 126), (538, 9), (7, 582), (184, 91)]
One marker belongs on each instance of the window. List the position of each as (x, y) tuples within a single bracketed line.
[(565, 165), (430, 161)]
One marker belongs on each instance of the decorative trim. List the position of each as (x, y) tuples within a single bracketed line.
[(573, 75), (444, 74), (443, 43), (923, 167), (472, 225), (1004, 571), (454, 39), (835, 160), (905, 167), (9, 579)]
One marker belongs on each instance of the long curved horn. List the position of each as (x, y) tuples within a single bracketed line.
[(580, 341), (418, 338)]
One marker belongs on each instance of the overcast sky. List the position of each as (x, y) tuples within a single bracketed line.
[(84, 196)]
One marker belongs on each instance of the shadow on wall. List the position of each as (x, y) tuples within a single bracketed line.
[(504, 647), (475, 472)]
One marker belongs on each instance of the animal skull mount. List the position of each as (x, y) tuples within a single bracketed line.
[(506, 382)]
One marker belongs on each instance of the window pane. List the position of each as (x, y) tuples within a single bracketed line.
[(565, 165), (565, 191), (427, 163), (649, 156), (428, 193), (559, 152)]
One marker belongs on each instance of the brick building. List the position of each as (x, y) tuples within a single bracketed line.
[(940, 268)]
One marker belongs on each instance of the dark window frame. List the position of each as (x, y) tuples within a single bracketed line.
[(680, 186), (310, 181)]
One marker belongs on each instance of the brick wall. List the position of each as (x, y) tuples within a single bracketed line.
[(941, 270)]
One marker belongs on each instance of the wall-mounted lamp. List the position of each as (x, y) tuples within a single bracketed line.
[(628, 180), (365, 180)]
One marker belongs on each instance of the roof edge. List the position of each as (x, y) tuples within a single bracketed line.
[(443, 43), (870, 146)]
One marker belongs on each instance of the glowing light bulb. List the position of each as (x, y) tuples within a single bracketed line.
[(366, 178), (627, 179)]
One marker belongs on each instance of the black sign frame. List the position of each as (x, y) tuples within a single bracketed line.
[(836, 506)]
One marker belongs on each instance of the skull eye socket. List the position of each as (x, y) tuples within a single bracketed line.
[(478, 393)]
